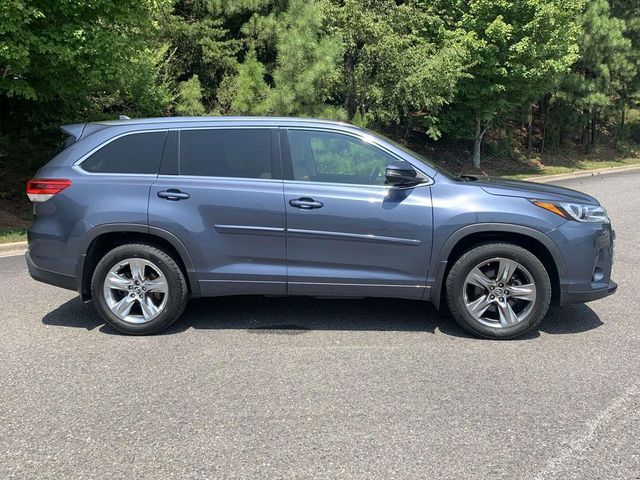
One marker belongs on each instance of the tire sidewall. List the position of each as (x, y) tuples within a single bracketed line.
[(176, 283), (464, 265)]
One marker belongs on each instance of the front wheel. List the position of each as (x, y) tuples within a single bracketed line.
[(498, 290), (138, 289)]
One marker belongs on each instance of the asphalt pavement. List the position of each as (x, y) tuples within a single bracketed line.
[(266, 388)]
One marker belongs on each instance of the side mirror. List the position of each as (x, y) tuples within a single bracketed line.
[(401, 174)]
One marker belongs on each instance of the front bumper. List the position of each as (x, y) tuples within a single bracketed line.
[(47, 276), (569, 297), (587, 250)]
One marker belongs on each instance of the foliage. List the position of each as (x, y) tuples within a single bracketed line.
[(189, 99), (10, 235), (431, 69), (401, 65), (519, 51), (68, 48), (295, 80)]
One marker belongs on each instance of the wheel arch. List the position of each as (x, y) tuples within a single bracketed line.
[(103, 238), (472, 235)]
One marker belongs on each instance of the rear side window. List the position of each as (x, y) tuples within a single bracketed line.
[(138, 153), (242, 152)]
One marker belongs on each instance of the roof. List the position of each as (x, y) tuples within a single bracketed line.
[(162, 120)]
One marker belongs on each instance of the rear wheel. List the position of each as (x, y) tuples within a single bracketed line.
[(139, 289), (498, 290)]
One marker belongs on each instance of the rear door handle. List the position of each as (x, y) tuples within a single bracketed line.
[(173, 194), (306, 203)]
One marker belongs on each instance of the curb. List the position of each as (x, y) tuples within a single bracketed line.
[(579, 174), (14, 248)]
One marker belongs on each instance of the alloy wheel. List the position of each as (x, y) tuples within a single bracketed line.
[(135, 290), (499, 293)]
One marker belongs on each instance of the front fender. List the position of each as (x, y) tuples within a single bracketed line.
[(439, 262)]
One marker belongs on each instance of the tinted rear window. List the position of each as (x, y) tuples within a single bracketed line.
[(243, 152), (136, 153)]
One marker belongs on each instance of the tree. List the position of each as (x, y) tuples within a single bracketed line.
[(71, 59), (519, 50), (46, 47), (249, 88), (597, 81), (203, 39), (189, 98), (400, 66), (299, 59), (629, 89)]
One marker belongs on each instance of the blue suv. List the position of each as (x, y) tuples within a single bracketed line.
[(140, 215)]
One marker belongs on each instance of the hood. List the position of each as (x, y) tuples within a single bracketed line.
[(518, 188)]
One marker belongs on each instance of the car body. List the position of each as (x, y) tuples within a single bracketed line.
[(285, 206)]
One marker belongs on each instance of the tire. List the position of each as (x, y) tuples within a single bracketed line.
[(146, 307), (489, 307)]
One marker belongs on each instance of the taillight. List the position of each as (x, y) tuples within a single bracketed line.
[(42, 189)]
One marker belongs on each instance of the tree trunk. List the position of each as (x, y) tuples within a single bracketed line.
[(4, 109), (593, 130), (560, 135), (544, 107), (350, 100), (477, 144), (621, 134), (584, 138), (530, 130)]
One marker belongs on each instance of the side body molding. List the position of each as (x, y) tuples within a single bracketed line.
[(439, 262), (95, 232)]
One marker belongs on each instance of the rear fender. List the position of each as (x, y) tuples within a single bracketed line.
[(135, 228)]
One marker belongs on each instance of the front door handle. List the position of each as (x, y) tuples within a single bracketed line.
[(173, 194), (306, 203)]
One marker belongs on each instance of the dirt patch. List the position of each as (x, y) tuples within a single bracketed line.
[(14, 214)]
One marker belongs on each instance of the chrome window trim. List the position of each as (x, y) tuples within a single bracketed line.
[(227, 127), (358, 185), (329, 128), (221, 179)]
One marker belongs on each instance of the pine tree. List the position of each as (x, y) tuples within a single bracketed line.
[(595, 85), (189, 98)]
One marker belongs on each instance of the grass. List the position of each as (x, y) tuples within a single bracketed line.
[(8, 235), (583, 165)]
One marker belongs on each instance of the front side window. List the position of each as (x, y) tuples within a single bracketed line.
[(330, 157), (138, 153), (242, 152)]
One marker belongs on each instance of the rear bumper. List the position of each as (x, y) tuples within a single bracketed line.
[(571, 297), (47, 276)]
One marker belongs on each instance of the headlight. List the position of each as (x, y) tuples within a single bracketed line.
[(575, 211)]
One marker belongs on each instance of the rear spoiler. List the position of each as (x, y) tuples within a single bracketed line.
[(74, 130), (79, 130)]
